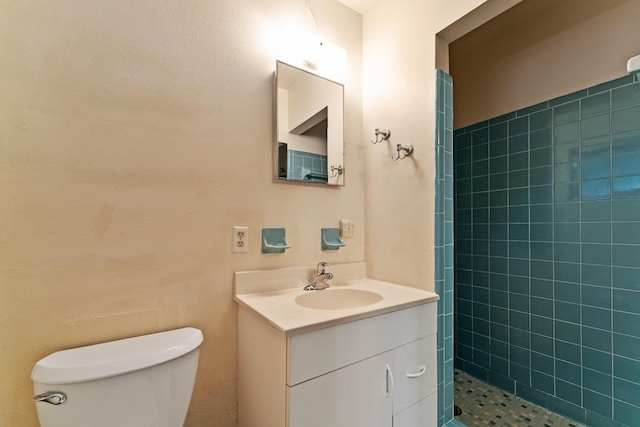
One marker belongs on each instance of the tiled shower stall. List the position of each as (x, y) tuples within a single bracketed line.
[(547, 253), (444, 250)]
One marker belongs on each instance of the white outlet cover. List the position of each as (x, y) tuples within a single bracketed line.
[(240, 238)]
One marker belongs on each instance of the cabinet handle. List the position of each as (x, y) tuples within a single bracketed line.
[(421, 372), (389, 380)]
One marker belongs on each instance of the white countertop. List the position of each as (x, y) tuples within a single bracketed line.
[(278, 306)]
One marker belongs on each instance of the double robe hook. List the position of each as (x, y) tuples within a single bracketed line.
[(402, 150), (381, 135), (336, 170)]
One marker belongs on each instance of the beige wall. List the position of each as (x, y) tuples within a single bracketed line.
[(399, 94), (539, 50), (133, 135)]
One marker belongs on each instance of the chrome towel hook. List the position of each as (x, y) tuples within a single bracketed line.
[(381, 135), (403, 151)]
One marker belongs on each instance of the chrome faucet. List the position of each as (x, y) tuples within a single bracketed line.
[(320, 278)]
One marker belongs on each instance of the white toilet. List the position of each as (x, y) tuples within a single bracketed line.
[(144, 381)]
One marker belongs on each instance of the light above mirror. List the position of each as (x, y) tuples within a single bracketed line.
[(309, 52), (309, 146)]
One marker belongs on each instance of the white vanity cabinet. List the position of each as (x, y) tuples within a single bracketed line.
[(376, 371)]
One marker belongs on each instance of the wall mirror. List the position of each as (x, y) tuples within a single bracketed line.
[(309, 146)]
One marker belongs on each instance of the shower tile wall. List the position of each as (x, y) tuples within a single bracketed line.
[(444, 245), (547, 236)]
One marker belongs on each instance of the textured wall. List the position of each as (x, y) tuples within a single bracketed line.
[(399, 94), (133, 136)]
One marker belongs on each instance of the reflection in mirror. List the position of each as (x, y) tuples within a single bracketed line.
[(309, 114)]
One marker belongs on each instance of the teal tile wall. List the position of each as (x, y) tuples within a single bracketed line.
[(444, 254), (306, 166), (547, 274)]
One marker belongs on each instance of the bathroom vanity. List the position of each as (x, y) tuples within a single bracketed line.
[(363, 353)]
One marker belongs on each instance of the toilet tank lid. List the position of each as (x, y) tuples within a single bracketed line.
[(113, 358)]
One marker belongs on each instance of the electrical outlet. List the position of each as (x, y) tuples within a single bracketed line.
[(347, 228), (240, 239)]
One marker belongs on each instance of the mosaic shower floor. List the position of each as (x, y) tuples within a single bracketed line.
[(485, 405)]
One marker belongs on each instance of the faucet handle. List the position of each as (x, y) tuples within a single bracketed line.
[(320, 269)]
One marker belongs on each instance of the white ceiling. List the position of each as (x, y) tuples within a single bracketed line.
[(359, 5)]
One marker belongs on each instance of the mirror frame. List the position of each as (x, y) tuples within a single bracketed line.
[(339, 179)]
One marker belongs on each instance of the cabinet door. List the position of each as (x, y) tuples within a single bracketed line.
[(358, 395), (414, 372), (421, 414)]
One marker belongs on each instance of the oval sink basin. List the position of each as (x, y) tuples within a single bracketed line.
[(337, 299)]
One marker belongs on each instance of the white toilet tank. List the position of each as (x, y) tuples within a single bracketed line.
[(144, 381)]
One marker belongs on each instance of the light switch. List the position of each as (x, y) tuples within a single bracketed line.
[(347, 228)]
